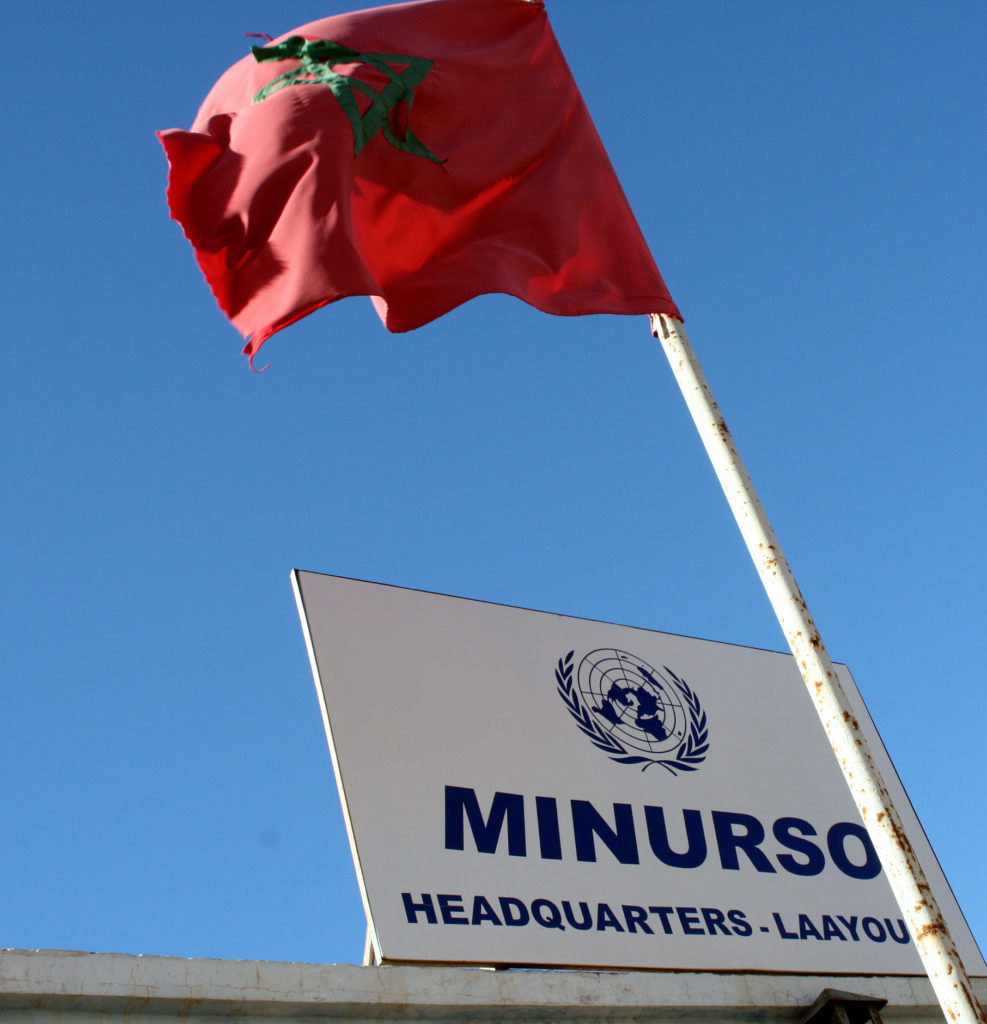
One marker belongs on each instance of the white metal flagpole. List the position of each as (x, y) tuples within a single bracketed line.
[(935, 946)]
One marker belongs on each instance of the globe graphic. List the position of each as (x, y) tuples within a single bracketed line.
[(632, 701)]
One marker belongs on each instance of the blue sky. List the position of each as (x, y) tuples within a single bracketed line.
[(811, 181)]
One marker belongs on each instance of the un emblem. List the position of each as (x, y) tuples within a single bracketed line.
[(633, 712)]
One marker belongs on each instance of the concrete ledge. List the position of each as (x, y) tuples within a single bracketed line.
[(46, 985)]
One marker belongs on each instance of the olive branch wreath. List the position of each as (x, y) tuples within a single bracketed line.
[(691, 752)]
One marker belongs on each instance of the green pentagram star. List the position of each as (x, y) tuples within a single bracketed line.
[(316, 60)]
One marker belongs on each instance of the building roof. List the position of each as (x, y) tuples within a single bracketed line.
[(150, 988)]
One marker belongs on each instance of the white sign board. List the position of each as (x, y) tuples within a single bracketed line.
[(528, 788)]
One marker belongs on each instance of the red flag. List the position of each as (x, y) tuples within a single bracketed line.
[(421, 153)]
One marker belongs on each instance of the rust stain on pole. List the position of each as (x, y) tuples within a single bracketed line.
[(936, 949)]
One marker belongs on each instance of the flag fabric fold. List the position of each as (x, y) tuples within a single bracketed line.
[(422, 154)]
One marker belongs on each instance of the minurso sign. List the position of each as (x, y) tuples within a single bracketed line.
[(528, 788)]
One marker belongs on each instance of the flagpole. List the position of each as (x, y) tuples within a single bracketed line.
[(935, 946)]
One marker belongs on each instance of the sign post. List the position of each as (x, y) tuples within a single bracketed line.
[(524, 788)]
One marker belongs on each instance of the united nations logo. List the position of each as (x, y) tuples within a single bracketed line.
[(633, 712)]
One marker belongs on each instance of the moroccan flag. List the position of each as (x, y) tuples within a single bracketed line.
[(422, 154)]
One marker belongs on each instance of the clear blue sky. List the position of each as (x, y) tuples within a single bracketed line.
[(811, 180)]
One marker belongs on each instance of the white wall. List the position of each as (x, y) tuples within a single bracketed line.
[(54, 987)]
